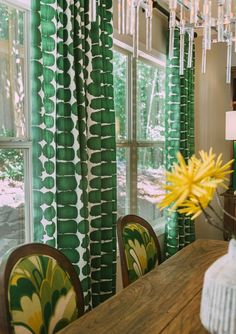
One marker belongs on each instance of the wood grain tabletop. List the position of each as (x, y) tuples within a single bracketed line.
[(166, 300)]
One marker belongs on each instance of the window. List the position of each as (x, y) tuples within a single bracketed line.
[(139, 105), (15, 145)]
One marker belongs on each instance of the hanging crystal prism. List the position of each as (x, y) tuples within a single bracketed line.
[(123, 26), (132, 16), (119, 16), (122, 22), (172, 24), (229, 58), (228, 13), (149, 34), (181, 54), (220, 22), (194, 11), (148, 11), (181, 42), (136, 29), (203, 56), (208, 34), (128, 16), (207, 23), (190, 47), (92, 10)]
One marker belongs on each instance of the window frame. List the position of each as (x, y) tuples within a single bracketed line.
[(132, 143), (25, 144)]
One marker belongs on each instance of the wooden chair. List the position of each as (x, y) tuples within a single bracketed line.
[(139, 247), (40, 291)]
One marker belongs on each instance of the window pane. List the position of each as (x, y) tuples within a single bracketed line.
[(12, 59), (12, 202), (150, 102), (120, 86), (150, 181), (122, 188)]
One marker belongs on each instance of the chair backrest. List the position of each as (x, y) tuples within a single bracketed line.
[(40, 291), (139, 248)]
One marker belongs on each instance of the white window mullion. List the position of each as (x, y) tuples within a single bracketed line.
[(143, 158), (16, 146), (27, 105), (28, 196), (133, 136)]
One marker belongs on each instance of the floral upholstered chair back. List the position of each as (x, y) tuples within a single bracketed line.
[(41, 291), (139, 248)]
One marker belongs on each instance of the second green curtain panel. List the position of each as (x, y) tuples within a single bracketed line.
[(74, 157), (179, 136)]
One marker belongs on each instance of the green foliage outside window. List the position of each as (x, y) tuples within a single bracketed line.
[(11, 160), (150, 102), (140, 160), (150, 108), (11, 164), (9, 17), (120, 80)]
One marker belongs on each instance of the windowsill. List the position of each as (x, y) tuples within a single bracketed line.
[(159, 227)]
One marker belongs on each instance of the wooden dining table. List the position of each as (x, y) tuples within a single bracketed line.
[(166, 300)]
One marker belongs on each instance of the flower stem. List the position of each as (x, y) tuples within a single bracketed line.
[(215, 212), (211, 221), (220, 206)]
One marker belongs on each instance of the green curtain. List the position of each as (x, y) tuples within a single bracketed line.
[(179, 136), (73, 129)]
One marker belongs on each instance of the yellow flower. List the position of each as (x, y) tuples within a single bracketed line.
[(191, 187), (193, 206), (220, 171)]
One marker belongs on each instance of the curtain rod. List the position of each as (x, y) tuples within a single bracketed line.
[(166, 12)]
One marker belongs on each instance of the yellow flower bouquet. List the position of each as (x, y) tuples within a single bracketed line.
[(190, 187)]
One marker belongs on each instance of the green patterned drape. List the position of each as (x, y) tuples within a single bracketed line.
[(179, 136), (73, 128)]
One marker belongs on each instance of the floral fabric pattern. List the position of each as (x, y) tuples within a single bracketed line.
[(140, 250), (41, 297)]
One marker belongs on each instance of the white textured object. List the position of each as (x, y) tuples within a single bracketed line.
[(218, 303)]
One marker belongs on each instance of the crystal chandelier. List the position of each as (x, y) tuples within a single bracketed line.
[(188, 16)]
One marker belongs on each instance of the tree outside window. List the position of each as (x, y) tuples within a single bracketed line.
[(139, 88), (14, 128)]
